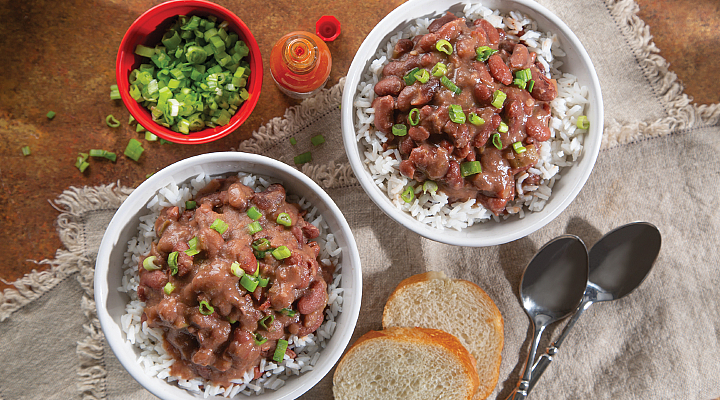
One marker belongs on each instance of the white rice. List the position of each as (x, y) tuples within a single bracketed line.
[(561, 150), (153, 357)]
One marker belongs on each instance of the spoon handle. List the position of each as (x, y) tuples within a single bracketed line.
[(544, 361), (523, 386)]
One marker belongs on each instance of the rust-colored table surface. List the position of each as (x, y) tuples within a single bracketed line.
[(60, 56)]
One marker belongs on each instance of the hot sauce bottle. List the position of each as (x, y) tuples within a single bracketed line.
[(300, 64)]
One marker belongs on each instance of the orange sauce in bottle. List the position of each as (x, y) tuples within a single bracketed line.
[(300, 64)]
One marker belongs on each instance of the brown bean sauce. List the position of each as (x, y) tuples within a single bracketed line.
[(437, 147), (213, 326)]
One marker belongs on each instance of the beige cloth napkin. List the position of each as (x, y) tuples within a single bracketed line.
[(658, 164)]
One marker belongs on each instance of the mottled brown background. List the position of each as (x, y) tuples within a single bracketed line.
[(60, 56)]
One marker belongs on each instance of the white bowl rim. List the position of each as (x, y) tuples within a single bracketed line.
[(591, 148), (136, 200)]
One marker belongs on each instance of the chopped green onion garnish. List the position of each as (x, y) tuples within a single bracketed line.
[(149, 263), (134, 149), (25, 150), (280, 349), (422, 76), (192, 243), (150, 137), (524, 74), (444, 46), (498, 99), (475, 119), (284, 219), (50, 114), (254, 228), (103, 153), (429, 186), (206, 308), (190, 204), (470, 168), (262, 244), (530, 85), (582, 122), (131, 119), (81, 162), (409, 78), (111, 121), (263, 282), (267, 321), (169, 287), (456, 114), (139, 128), (114, 92), (408, 195), (293, 141), (303, 158), (518, 147), (254, 213), (281, 253), (449, 85), (399, 130), (144, 51), (519, 83), (317, 140), (192, 252), (484, 52), (503, 127), (236, 270), (288, 312), (173, 262), (259, 339), (414, 117), (257, 270), (219, 226), (439, 70), (249, 283), (497, 141)]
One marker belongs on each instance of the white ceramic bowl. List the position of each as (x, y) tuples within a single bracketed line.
[(110, 303), (577, 62)]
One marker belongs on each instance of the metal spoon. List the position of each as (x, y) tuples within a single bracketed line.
[(619, 262), (551, 288)]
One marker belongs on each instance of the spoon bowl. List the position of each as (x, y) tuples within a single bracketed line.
[(550, 289)]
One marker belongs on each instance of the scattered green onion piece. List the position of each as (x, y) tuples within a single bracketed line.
[(259, 254), (139, 128), (582, 122), (259, 339), (263, 282), (429, 186), (169, 287), (257, 270), (281, 253), (149, 263), (498, 99), (439, 70), (449, 85), (497, 141), (264, 321), (262, 244), (530, 85), (444, 46), (414, 117), (254, 213), (150, 137), (254, 228), (280, 350), (50, 114), (111, 121), (249, 283), (422, 76), (96, 153), (518, 147), (284, 219), (456, 114), (408, 195), (81, 162), (219, 226), (524, 74), (192, 252), (303, 158), (409, 78), (503, 128), (173, 262), (236, 270), (190, 204), (134, 149), (25, 150), (205, 308), (293, 141), (399, 130), (114, 92), (470, 168), (484, 52), (519, 83), (475, 119), (288, 312), (317, 140)]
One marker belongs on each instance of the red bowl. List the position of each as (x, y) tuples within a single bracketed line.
[(148, 30)]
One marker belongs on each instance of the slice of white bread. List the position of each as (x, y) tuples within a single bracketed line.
[(406, 363), (459, 307)]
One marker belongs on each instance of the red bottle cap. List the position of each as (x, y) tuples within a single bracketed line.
[(327, 28)]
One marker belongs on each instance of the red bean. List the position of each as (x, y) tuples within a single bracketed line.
[(499, 70)]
